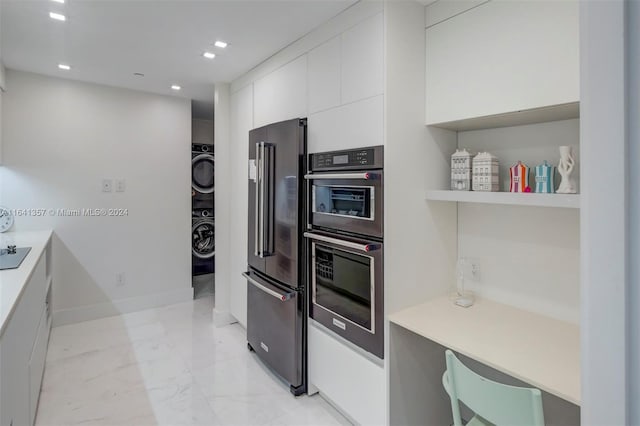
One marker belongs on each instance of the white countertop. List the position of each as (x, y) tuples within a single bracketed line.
[(13, 281), (536, 349)]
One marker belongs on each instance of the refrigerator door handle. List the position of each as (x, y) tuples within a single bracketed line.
[(268, 194), (262, 199), (282, 297), (257, 247)]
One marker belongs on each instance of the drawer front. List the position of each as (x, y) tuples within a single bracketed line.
[(274, 327)]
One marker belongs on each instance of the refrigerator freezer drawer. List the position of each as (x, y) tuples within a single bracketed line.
[(274, 327)]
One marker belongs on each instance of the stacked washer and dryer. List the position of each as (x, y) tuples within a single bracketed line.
[(202, 207)]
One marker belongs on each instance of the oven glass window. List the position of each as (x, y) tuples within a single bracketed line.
[(343, 284), (343, 200)]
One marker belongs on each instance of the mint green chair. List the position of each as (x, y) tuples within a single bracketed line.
[(493, 403)]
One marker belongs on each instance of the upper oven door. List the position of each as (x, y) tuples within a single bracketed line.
[(350, 202)]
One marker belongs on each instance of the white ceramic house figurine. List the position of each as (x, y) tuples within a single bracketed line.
[(565, 168), (486, 175), (461, 170)]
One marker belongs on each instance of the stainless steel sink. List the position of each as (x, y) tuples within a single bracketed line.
[(12, 258)]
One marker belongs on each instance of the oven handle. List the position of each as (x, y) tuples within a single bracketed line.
[(342, 243), (360, 176), (281, 297)]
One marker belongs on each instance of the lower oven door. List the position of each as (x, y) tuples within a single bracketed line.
[(347, 289)]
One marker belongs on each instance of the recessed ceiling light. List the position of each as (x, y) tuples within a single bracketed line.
[(57, 16), (221, 44), (176, 87), (209, 55), (64, 67), (138, 74), (59, 1)]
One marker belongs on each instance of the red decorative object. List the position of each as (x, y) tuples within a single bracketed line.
[(527, 189)]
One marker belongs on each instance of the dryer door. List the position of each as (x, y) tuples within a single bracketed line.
[(202, 173)]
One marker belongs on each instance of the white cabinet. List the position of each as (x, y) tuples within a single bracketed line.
[(282, 94), (36, 363), (362, 58), (501, 57), (23, 347), (350, 126), (324, 76), (352, 381)]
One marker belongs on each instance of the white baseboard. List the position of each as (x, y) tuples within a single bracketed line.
[(122, 306), (222, 318)]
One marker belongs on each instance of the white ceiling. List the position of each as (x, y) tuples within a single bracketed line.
[(106, 41)]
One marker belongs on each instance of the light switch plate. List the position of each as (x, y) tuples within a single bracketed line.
[(107, 185), (121, 185)]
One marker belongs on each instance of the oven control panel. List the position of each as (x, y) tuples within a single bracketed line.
[(353, 159)]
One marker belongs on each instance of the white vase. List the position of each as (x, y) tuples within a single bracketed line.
[(565, 168)]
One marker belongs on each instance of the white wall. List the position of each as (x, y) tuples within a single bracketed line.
[(241, 123), (2, 89), (604, 209), (633, 58), (528, 257), (420, 243), (61, 138), (223, 211)]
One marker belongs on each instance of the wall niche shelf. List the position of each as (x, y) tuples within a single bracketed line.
[(571, 201), (517, 118)]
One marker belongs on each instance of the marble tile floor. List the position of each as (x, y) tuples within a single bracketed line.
[(166, 366)]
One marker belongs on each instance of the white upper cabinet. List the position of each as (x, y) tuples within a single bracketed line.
[(502, 57), (363, 60), (282, 94), (324, 76)]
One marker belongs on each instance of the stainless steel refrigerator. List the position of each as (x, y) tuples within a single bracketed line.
[(276, 304)]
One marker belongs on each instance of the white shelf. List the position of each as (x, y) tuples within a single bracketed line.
[(516, 118), (571, 201)]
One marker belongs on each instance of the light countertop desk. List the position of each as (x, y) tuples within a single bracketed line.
[(536, 349)]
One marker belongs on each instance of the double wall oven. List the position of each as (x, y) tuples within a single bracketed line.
[(345, 233)]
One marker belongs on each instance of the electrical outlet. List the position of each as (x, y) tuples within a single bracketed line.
[(121, 185), (107, 185), (475, 271), (120, 279), (470, 269)]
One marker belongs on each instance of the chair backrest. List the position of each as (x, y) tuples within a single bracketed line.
[(495, 402)]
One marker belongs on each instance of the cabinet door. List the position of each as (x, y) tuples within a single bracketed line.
[(362, 60), (14, 404), (36, 365), (282, 94), (501, 57)]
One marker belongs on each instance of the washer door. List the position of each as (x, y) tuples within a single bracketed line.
[(203, 243), (202, 173)]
